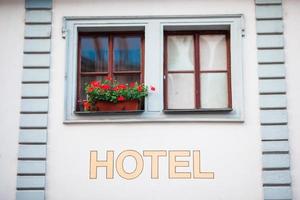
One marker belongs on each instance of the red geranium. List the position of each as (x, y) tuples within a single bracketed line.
[(95, 83), (121, 98), (105, 87), (90, 89), (152, 88), (115, 89), (122, 86), (140, 88), (112, 91), (86, 105), (132, 84), (108, 78)]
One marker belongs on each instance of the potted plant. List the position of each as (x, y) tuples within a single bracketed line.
[(109, 95)]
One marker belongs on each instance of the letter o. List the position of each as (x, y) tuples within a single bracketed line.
[(138, 160)]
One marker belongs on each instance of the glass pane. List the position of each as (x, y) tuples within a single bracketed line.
[(85, 80), (128, 78), (180, 52), (127, 53), (94, 54), (181, 91), (213, 52), (214, 90)]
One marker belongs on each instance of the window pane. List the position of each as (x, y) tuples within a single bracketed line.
[(94, 54), (86, 80), (180, 52), (181, 91), (127, 53), (214, 90), (213, 52), (128, 78)]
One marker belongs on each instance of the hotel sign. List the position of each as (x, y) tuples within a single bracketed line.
[(116, 163)]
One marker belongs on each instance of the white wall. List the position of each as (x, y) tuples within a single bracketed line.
[(231, 150), (11, 48), (292, 52)]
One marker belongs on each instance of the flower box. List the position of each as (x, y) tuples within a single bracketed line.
[(129, 105), (110, 96)]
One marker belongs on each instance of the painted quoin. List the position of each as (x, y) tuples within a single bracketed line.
[(218, 121)]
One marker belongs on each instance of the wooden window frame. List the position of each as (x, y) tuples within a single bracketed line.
[(110, 68), (197, 70)]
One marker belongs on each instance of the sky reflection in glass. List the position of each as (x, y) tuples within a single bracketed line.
[(94, 54), (127, 53)]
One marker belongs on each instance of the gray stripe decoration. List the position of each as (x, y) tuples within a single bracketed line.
[(32, 153), (273, 103)]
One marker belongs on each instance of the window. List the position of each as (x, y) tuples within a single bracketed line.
[(197, 71), (115, 54), (194, 62)]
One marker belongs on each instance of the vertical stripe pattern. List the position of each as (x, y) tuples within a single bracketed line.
[(273, 102), (32, 152)]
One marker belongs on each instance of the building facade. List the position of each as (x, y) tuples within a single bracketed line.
[(220, 120)]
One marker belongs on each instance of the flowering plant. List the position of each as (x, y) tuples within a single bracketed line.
[(112, 91)]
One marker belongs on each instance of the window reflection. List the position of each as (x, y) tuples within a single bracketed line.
[(128, 78), (127, 53), (94, 54)]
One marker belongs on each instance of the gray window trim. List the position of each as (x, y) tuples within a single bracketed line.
[(154, 26)]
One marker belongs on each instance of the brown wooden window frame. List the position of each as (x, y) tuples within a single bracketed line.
[(110, 71), (197, 69)]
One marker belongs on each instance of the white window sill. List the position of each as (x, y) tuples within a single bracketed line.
[(160, 117)]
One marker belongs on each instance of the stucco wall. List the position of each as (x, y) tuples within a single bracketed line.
[(231, 150), (292, 52), (11, 48)]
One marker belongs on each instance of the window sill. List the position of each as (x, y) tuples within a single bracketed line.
[(141, 116), (197, 111)]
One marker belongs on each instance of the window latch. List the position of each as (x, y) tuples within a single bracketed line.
[(64, 32)]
